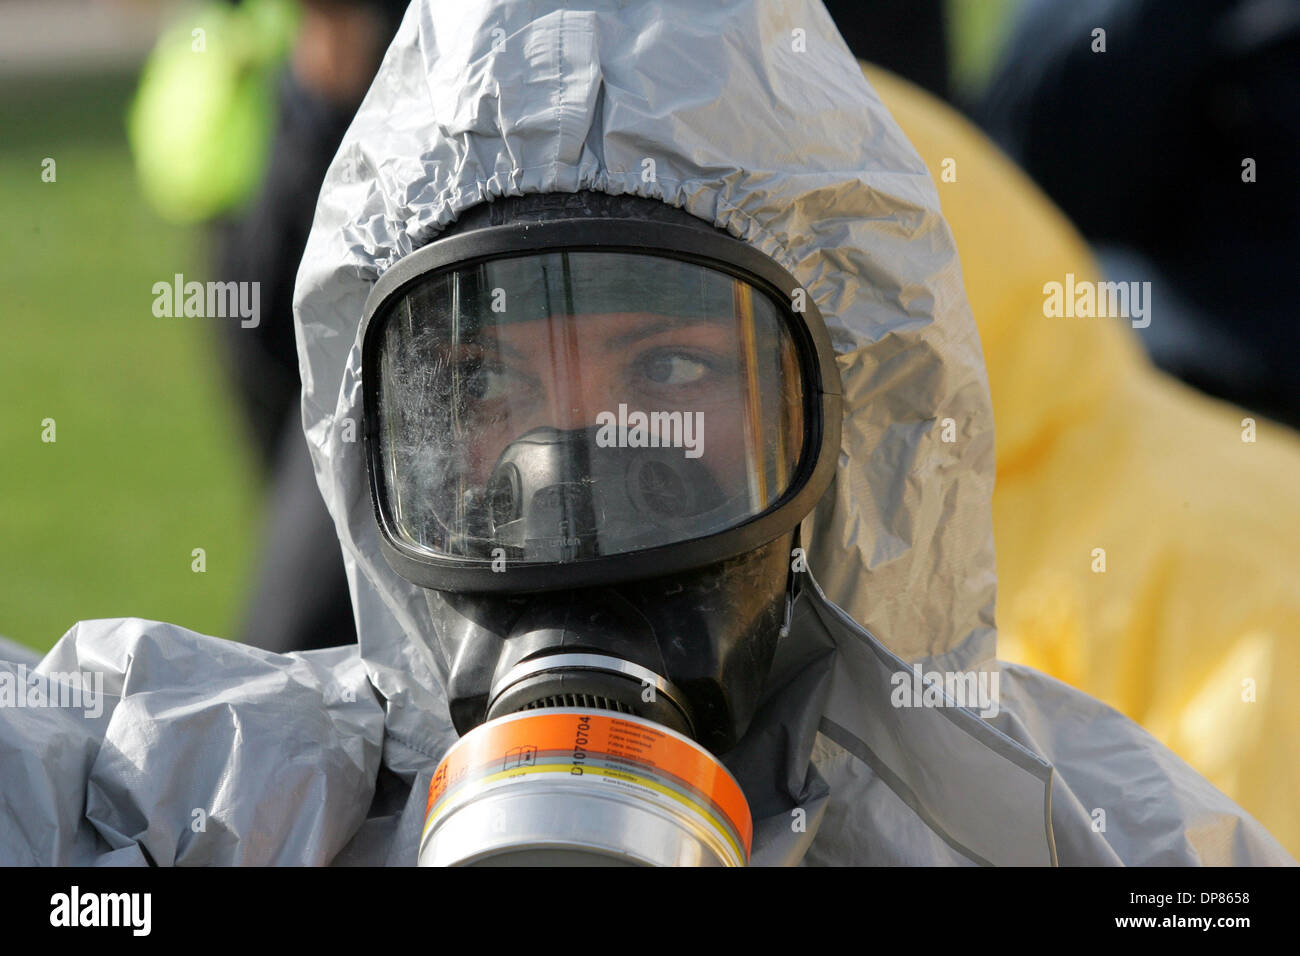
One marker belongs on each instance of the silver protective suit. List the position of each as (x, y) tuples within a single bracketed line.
[(755, 117)]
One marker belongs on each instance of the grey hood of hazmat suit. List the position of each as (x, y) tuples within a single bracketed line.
[(756, 118)]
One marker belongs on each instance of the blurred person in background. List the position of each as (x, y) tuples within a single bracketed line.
[(1171, 141), (241, 136), (300, 598), (1147, 541)]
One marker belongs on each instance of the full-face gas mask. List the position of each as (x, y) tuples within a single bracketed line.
[(593, 425)]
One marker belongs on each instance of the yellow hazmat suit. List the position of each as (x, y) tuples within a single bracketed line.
[(1148, 537)]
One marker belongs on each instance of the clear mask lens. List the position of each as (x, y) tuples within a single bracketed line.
[(569, 405)]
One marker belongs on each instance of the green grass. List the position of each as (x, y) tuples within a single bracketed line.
[(149, 461)]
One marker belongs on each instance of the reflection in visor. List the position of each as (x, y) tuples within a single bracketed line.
[(557, 407)]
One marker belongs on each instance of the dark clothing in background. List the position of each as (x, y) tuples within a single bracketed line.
[(300, 598), (267, 245), (907, 37), (1143, 147)]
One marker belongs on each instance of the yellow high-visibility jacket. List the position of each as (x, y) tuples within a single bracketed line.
[(1148, 537)]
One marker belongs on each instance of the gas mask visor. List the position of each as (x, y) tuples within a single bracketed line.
[(577, 403)]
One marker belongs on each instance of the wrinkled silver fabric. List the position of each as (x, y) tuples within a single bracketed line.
[(774, 135)]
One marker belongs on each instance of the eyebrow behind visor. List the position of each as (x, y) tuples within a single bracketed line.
[(658, 328)]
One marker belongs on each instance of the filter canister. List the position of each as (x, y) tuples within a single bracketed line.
[(583, 787)]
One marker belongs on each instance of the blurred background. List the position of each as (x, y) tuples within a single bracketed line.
[(1137, 140), (148, 461)]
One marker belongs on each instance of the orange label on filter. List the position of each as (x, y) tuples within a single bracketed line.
[(598, 743)]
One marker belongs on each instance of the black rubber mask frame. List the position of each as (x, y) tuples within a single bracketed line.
[(702, 246)]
